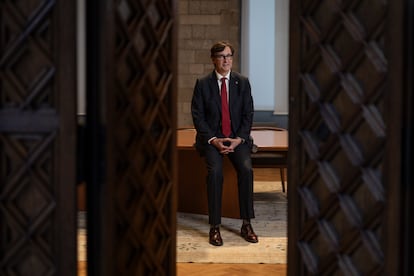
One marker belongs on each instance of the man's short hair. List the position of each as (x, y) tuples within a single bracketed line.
[(219, 47)]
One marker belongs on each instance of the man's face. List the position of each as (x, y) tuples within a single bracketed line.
[(223, 61)]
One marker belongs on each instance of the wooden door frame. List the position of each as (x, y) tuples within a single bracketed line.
[(397, 171), (38, 129), (117, 243), (398, 177)]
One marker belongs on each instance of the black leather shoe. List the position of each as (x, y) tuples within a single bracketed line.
[(248, 234), (215, 237)]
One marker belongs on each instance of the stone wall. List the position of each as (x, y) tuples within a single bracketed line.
[(202, 23)]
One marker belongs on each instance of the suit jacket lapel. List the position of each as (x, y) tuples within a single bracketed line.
[(214, 87), (233, 90)]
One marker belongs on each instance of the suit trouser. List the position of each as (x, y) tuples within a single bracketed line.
[(242, 163)]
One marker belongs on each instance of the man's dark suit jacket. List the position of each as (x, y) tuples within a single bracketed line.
[(206, 108)]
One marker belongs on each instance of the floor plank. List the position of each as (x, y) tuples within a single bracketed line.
[(190, 269), (82, 268)]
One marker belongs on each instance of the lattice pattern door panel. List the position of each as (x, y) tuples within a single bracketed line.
[(144, 137), (37, 139), (339, 108)]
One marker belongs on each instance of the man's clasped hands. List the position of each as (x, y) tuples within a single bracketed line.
[(226, 145)]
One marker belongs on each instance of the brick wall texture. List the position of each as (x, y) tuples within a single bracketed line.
[(202, 23)]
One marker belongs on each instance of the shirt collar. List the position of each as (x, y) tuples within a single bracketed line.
[(227, 76)]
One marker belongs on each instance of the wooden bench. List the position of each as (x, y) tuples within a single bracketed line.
[(272, 148)]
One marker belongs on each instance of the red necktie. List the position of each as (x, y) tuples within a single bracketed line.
[(225, 114)]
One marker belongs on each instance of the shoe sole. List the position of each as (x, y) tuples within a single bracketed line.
[(216, 244), (252, 241)]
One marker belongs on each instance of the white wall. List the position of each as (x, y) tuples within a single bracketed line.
[(281, 57), (265, 52)]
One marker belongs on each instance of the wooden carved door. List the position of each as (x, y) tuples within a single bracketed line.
[(131, 137), (349, 96), (37, 138)]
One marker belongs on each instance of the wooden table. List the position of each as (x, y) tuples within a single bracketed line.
[(192, 190)]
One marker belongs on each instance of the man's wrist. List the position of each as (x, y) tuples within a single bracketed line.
[(211, 139)]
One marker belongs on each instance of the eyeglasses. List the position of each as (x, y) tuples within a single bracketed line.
[(223, 57)]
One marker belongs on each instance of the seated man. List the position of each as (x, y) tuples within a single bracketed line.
[(222, 111)]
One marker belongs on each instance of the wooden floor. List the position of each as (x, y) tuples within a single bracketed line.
[(189, 269), (231, 269), (82, 269)]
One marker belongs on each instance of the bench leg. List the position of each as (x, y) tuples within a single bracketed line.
[(282, 176)]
